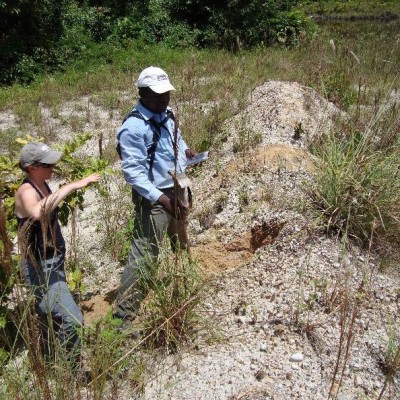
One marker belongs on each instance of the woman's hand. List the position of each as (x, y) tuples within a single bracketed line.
[(87, 181)]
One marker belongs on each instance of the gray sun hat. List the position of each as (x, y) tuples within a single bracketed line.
[(35, 152)]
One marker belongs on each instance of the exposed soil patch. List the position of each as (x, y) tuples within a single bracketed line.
[(265, 233), (215, 257), (95, 308), (290, 158)]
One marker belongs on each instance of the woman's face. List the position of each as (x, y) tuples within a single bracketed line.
[(43, 171)]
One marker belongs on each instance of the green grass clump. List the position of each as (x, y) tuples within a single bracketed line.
[(169, 314), (358, 187)]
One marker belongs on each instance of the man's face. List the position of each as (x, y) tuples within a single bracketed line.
[(157, 103)]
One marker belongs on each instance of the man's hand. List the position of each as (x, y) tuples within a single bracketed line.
[(173, 206), (190, 153)]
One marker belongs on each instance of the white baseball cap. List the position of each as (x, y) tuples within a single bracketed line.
[(156, 79)]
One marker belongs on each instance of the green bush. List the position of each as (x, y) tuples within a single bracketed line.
[(126, 28), (27, 25), (236, 23)]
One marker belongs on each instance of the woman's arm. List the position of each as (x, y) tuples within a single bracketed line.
[(27, 203)]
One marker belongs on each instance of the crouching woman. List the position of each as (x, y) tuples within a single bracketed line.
[(42, 248)]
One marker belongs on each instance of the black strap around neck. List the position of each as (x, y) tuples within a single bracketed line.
[(156, 128)]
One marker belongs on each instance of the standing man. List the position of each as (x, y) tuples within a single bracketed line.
[(151, 146)]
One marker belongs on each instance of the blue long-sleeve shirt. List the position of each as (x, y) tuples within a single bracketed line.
[(135, 137)]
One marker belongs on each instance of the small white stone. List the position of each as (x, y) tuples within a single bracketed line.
[(358, 382), (377, 385), (297, 357), (263, 347)]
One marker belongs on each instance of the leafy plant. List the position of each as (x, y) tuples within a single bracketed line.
[(74, 168), (237, 23)]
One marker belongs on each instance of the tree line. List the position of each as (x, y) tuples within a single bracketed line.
[(39, 36)]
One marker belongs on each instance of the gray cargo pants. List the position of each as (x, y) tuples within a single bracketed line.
[(59, 315), (152, 222)]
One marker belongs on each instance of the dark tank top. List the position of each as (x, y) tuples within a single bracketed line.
[(36, 243)]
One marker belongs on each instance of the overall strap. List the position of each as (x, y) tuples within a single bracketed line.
[(39, 192), (151, 152), (156, 128)]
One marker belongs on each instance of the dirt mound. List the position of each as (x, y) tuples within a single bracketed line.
[(277, 278)]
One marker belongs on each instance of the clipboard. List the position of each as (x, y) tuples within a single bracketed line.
[(197, 159)]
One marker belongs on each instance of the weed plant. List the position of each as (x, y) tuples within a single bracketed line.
[(105, 346), (358, 186), (116, 211), (174, 290), (391, 364)]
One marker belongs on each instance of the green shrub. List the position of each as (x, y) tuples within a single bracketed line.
[(126, 28), (237, 23), (46, 36)]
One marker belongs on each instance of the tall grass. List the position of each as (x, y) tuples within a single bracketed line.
[(170, 319), (358, 185)]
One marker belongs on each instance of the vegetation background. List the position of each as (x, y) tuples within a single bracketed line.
[(55, 51)]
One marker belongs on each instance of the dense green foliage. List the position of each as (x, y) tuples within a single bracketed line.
[(41, 36), (233, 23), (38, 37), (30, 29)]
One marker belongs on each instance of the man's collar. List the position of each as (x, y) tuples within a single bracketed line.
[(147, 113)]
